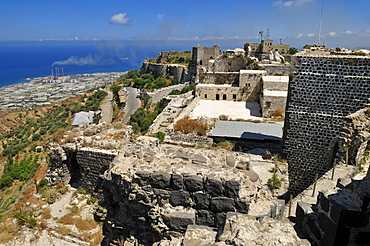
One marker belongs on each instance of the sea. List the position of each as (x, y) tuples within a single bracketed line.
[(24, 60)]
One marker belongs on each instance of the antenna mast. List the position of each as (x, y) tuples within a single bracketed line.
[(261, 33), (319, 35)]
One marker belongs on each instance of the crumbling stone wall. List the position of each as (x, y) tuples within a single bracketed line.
[(178, 72), (324, 91), (159, 94), (83, 166), (341, 215)]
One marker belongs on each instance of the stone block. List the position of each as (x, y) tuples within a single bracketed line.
[(327, 226), (343, 236), (213, 186), (242, 206), (201, 200), (231, 188), (177, 181), (179, 220), (179, 198), (205, 217), (160, 180), (302, 210), (194, 183), (343, 182), (222, 204), (199, 235), (314, 227), (323, 202), (353, 218), (220, 219)]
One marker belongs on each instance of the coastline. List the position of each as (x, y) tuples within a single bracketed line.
[(45, 90)]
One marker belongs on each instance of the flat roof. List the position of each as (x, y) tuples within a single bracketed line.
[(247, 130), (276, 79), (214, 85), (234, 110), (275, 93), (253, 71)]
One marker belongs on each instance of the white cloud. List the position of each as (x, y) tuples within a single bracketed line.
[(299, 35), (281, 3), (310, 35), (120, 19), (348, 32), (332, 34), (160, 16)]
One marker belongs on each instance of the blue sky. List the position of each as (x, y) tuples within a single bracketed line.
[(345, 22)]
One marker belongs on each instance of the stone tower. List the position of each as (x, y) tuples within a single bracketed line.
[(324, 91)]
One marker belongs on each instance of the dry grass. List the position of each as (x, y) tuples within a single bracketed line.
[(46, 214), (94, 239), (84, 225), (7, 230), (187, 126), (63, 230), (67, 219)]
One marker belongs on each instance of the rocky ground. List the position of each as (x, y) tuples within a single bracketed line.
[(67, 222)]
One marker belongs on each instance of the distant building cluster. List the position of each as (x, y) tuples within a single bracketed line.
[(45, 90)]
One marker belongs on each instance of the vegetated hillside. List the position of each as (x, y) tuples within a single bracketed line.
[(22, 163), (144, 81)]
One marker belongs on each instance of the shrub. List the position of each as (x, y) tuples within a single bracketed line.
[(274, 182), (187, 126), (25, 218), (278, 113), (223, 117), (160, 136)]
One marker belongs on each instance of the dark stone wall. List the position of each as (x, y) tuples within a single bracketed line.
[(324, 91)]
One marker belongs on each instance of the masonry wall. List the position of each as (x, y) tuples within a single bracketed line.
[(324, 91), (178, 72)]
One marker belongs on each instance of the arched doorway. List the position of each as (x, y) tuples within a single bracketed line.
[(217, 97)]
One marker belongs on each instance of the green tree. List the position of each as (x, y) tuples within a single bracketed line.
[(292, 51)]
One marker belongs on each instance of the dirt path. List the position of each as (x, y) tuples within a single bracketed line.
[(107, 111), (58, 209)]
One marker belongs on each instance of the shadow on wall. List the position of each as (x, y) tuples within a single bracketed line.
[(254, 108)]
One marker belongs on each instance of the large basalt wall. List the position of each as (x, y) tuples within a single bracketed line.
[(324, 91)]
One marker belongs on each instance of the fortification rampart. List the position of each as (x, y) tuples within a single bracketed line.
[(178, 72), (324, 91)]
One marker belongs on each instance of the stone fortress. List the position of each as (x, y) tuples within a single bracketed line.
[(158, 194), (233, 75)]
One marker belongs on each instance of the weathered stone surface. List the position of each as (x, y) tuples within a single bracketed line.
[(205, 217), (179, 220), (222, 204), (194, 183), (199, 235), (241, 229), (214, 186), (232, 188), (201, 200), (160, 180), (177, 181), (179, 198)]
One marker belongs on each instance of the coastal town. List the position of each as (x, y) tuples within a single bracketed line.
[(46, 90)]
